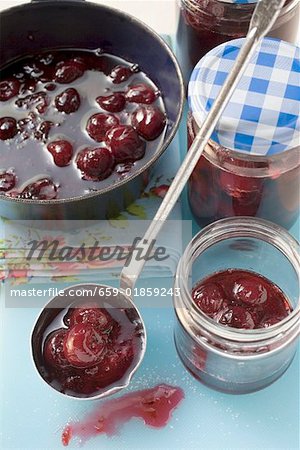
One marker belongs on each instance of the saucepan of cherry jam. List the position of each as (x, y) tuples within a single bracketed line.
[(84, 110), (88, 347), (238, 312)]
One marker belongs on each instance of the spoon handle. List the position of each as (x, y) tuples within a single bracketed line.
[(264, 16)]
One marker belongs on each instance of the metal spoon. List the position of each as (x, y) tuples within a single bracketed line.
[(264, 16)]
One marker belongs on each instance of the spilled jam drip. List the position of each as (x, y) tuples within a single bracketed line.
[(154, 406)]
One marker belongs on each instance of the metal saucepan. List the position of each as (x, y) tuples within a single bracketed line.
[(52, 24)]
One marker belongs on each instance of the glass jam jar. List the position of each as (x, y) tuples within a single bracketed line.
[(251, 165), (204, 24), (229, 359)]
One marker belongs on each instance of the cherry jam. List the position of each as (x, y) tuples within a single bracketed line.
[(226, 183), (73, 119), (87, 348), (225, 358), (204, 24), (241, 299)]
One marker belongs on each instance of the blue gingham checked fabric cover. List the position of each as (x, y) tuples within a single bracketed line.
[(262, 116)]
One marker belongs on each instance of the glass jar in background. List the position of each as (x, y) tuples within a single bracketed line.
[(204, 24), (251, 165), (228, 359)]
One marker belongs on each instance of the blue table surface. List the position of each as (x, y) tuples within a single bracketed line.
[(32, 415)]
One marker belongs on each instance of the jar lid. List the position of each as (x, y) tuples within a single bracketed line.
[(262, 116)]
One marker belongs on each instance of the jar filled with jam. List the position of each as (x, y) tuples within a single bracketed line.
[(237, 313), (251, 164), (204, 24)]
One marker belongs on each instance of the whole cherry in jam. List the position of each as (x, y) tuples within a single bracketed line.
[(84, 346), (7, 181), (237, 186), (67, 101), (95, 163), (98, 125), (116, 362), (8, 128), (68, 71), (9, 88), (246, 292), (241, 299), (91, 314), (149, 122), (125, 144), (120, 74), (141, 93), (209, 298), (62, 152), (112, 103), (236, 317), (54, 349)]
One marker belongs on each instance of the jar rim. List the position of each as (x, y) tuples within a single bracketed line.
[(274, 164), (232, 152), (257, 166), (240, 227)]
